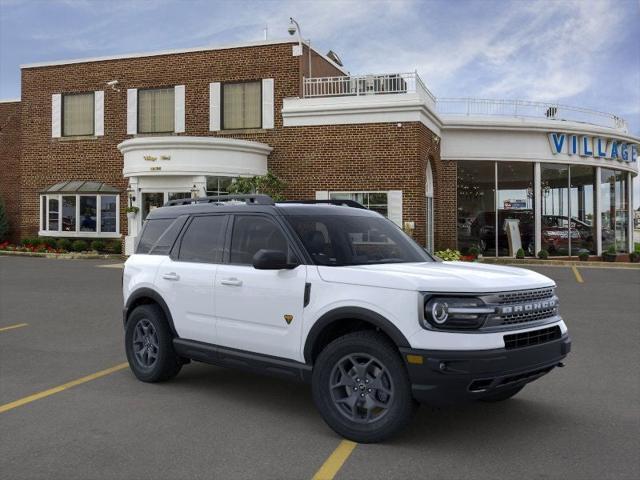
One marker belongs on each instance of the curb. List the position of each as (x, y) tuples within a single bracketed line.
[(562, 263), (65, 256)]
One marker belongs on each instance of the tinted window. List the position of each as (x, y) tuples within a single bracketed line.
[(163, 245), (253, 233), (151, 233), (204, 240), (355, 240)]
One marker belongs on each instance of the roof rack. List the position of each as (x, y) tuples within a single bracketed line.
[(337, 202), (257, 199)]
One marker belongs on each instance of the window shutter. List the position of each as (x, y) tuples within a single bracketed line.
[(56, 115), (394, 207), (132, 111), (179, 111), (322, 195), (267, 103), (214, 106), (98, 111)]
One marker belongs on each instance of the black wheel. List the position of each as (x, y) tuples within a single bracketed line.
[(149, 347), (361, 387), (502, 395)]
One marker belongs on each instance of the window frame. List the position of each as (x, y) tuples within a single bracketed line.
[(222, 87), (93, 117), (159, 132), (363, 192), (77, 233)]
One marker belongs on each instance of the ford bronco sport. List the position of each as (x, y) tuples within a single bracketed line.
[(333, 294)]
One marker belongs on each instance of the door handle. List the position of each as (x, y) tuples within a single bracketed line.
[(232, 282), (171, 276)]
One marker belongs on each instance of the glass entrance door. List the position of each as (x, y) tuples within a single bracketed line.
[(150, 201)]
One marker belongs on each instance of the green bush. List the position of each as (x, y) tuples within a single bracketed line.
[(64, 244), (98, 245), (611, 249), (79, 246), (543, 254), (115, 246), (449, 255), (520, 253), (634, 257), (475, 251), (28, 241), (583, 255), (47, 242)]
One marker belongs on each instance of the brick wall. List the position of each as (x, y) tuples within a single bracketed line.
[(341, 157), (10, 161)]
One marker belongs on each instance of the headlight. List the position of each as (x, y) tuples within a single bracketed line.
[(455, 312)]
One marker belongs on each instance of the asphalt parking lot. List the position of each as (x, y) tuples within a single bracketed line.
[(582, 421)]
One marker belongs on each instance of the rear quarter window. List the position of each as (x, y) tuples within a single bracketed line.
[(151, 233)]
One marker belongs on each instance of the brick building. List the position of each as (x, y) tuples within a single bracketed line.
[(91, 137)]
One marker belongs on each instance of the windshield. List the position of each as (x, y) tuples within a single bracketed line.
[(339, 240)]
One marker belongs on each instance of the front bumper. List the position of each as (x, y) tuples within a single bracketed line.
[(441, 377)]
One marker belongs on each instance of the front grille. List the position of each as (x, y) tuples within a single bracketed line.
[(533, 337), (528, 317), (521, 296)]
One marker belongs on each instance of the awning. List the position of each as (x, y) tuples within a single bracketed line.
[(81, 186)]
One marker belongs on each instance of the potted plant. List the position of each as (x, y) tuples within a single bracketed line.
[(475, 252), (583, 255), (132, 212), (610, 255)]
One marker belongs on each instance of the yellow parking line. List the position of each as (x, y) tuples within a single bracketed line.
[(46, 393), (334, 463), (11, 327), (577, 274)]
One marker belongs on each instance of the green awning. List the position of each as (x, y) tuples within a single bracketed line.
[(81, 186)]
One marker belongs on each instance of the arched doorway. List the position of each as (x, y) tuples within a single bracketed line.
[(429, 203)]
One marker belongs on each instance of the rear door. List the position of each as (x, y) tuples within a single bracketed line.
[(259, 310), (186, 279)]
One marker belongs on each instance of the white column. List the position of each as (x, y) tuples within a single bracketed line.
[(537, 207), (598, 213), (133, 223), (630, 211)]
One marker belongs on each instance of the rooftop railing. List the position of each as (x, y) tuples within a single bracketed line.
[(402, 83)]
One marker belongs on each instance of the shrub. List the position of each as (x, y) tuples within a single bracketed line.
[(115, 246), (4, 222), (97, 245), (634, 257), (543, 254), (449, 255), (611, 250), (583, 256), (520, 253), (64, 244), (47, 242), (79, 246), (28, 241), (475, 251)]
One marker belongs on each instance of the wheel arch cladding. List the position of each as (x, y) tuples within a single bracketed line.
[(147, 296), (344, 320)]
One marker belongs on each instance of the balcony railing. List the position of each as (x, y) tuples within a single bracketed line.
[(528, 109), (402, 83), (357, 85)]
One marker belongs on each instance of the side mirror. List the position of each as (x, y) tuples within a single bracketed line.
[(271, 260)]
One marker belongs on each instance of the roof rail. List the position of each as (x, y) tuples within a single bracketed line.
[(252, 199), (340, 203)]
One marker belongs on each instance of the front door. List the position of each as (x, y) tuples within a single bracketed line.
[(150, 201), (186, 281), (259, 310)]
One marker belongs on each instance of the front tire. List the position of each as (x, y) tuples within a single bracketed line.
[(361, 387), (149, 345)]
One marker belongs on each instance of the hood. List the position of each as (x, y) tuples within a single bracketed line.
[(459, 277)]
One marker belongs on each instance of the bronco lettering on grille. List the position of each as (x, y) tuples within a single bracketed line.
[(530, 307)]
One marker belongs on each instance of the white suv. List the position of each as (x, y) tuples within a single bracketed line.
[(336, 295)]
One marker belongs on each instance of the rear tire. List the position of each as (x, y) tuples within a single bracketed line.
[(502, 395), (149, 345), (361, 387)]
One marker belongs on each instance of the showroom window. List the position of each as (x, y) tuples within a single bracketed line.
[(516, 224), (477, 206), (75, 209), (156, 110), (78, 114), (241, 105), (614, 209)]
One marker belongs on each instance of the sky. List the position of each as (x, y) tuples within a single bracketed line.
[(584, 53)]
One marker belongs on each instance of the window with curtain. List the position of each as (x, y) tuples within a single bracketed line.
[(156, 110), (241, 105), (77, 114)]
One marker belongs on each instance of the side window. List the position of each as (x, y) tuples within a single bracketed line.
[(168, 238), (253, 233), (203, 242), (151, 233)]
